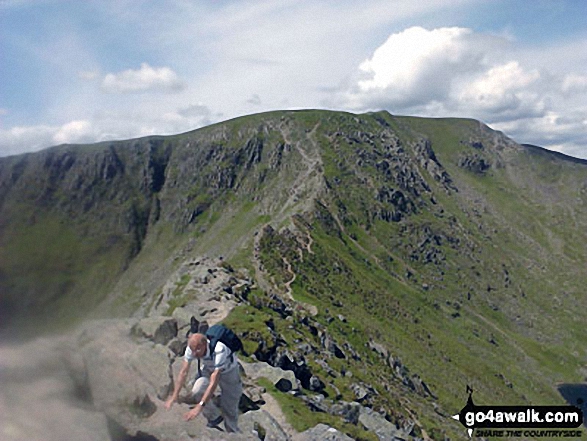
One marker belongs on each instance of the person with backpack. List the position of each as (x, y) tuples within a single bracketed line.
[(217, 366)]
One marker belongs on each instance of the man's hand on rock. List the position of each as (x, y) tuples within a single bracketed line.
[(192, 413), (169, 403)]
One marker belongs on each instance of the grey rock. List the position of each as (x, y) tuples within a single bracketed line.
[(274, 374), (262, 425), (143, 406), (255, 394), (126, 377), (474, 163), (324, 365), (182, 317), (316, 384), (317, 403), (246, 404), (329, 344), (321, 432), (157, 329), (378, 348), (39, 400), (362, 393), (348, 411), (121, 371), (242, 290), (177, 346), (377, 424), (284, 385), (306, 348)]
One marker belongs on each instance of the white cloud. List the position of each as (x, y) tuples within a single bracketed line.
[(407, 65), (563, 132), (197, 110), (74, 132), (503, 92), (420, 67), (574, 83), (301, 54), (106, 126), (145, 79), (458, 72), (22, 139)]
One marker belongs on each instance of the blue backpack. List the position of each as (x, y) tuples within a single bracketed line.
[(223, 334)]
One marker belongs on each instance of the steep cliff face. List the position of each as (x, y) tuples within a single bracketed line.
[(375, 243), (71, 221), (74, 218)]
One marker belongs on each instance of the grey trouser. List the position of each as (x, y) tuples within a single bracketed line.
[(232, 389)]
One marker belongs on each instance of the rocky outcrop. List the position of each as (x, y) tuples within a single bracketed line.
[(263, 426), (427, 159), (474, 163), (201, 287), (285, 381), (384, 430), (321, 432), (109, 380)]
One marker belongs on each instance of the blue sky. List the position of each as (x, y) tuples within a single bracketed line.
[(87, 71)]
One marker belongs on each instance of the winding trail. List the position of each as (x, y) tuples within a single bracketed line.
[(292, 280), (297, 194)]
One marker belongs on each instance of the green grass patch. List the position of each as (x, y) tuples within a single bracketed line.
[(302, 418)]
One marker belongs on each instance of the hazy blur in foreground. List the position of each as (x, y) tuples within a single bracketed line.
[(39, 398)]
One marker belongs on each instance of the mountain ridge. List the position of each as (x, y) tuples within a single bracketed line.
[(439, 240)]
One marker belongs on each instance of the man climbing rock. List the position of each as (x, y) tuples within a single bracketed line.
[(217, 366)]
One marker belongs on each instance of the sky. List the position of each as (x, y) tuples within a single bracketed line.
[(85, 71)]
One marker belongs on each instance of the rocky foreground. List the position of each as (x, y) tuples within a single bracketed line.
[(109, 380)]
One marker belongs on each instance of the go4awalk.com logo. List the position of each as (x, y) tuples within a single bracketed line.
[(520, 421)]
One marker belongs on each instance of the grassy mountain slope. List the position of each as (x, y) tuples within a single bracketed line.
[(439, 242), (466, 260)]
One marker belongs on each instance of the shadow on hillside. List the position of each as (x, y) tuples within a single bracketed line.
[(575, 395)]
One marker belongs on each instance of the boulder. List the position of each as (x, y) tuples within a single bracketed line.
[(316, 385), (321, 432), (157, 329), (246, 404), (377, 424), (183, 319), (124, 375), (329, 344), (178, 346), (261, 425), (379, 349), (284, 385), (348, 411), (362, 392), (255, 394), (283, 380), (317, 403), (287, 361)]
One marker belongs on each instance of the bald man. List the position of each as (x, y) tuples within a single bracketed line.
[(219, 368)]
